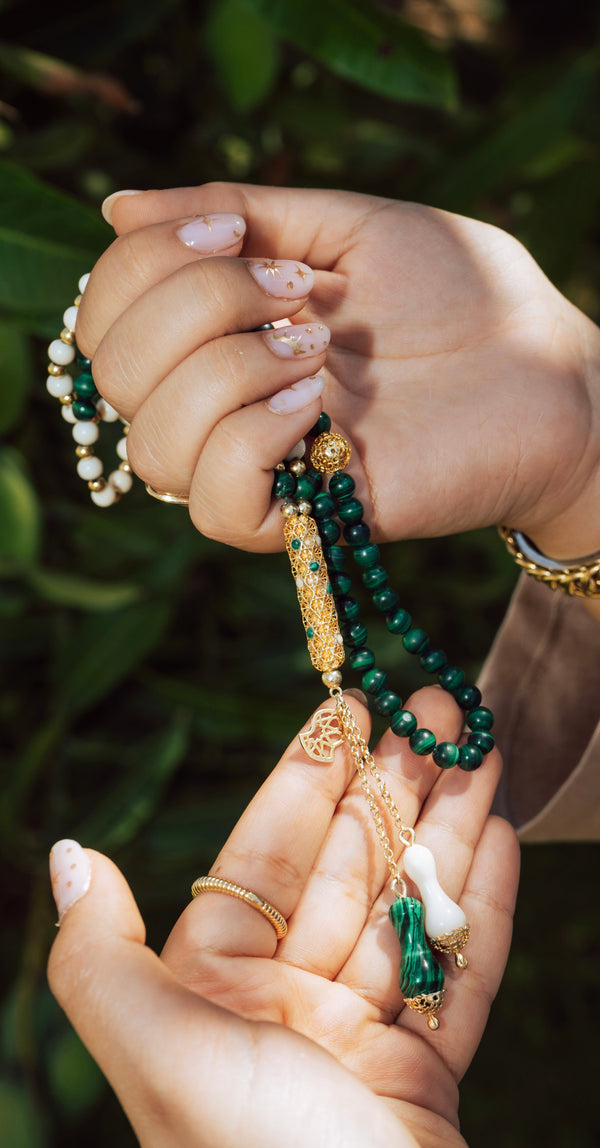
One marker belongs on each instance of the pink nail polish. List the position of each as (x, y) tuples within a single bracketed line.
[(282, 278), (214, 232), (287, 342), (70, 874), (296, 397)]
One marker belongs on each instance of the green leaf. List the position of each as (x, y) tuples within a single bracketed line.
[(47, 242), (15, 374), (245, 52), (82, 593), (367, 45), (132, 803), (19, 510), (105, 649), (75, 1079), (19, 1117)]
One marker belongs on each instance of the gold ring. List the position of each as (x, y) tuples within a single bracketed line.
[(174, 499), (217, 885)]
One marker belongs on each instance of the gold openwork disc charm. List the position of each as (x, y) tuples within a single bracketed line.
[(323, 736), (330, 452)]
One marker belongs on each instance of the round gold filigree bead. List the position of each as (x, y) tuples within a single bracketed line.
[(330, 452)]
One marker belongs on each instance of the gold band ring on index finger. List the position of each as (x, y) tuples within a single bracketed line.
[(218, 885)]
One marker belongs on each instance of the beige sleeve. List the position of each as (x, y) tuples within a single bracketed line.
[(542, 680)]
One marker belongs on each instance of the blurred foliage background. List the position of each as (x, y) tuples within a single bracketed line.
[(142, 701)]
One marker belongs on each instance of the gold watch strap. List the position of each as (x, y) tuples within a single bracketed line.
[(579, 577)]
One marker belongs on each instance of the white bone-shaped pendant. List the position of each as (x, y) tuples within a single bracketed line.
[(445, 923)]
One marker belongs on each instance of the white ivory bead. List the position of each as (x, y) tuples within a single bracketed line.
[(121, 480), (83, 282), (68, 414), (60, 353), (297, 451), (59, 385), (70, 318), (122, 448), (89, 468), (107, 413), (441, 914), (85, 433), (104, 497)]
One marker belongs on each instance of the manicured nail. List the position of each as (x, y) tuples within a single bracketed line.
[(287, 342), (283, 278), (110, 201), (358, 694), (70, 874), (296, 397), (214, 232)]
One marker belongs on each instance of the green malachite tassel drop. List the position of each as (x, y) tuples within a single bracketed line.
[(421, 978)]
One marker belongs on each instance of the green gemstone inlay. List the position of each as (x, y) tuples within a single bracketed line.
[(419, 970), (313, 565), (296, 544), (310, 632)]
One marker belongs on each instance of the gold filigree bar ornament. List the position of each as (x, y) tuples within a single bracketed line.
[(303, 544)]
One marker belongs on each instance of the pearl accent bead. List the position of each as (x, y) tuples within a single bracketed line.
[(83, 282), (59, 385), (70, 318), (107, 413), (85, 433), (122, 449), (89, 468), (442, 915), (68, 414), (104, 497), (297, 451), (121, 481), (60, 353)]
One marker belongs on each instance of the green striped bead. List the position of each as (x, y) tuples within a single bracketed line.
[(422, 741), (357, 534), (340, 583), (483, 740), (446, 754), (366, 555), (451, 678), (348, 608), (403, 723), (354, 633), (350, 511), (322, 424), (420, 973), (334, 557), (306, 488), (387, 702), (362, 659), (83, 410), (433, 660), (84, 386), (284, 484), (329, 531), (480, 718), (323, 505), (385, 600), (468, 697), (398, 622), (341, 485), (374, 577), (471, 758), (415, 640), (82, 362), (373, 681)]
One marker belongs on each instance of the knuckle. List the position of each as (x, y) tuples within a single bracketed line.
[(146, 453), (115, 373)]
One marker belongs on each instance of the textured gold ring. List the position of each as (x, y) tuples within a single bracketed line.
[(579, 577), (166, 496), (217, 885)]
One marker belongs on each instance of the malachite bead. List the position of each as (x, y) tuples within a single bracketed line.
[(348, 608), (446, 754), (387, 702), (480, 718), (84, 386), (433, 661), (470, 758), (385, 600), (341, 485), (322, 424), (307, 486), (403, 723), (82, 362), (399, 621), (468, 697), (451, 678), (323, 505), (358, 534), (419, 970), (340, 583), (284, 484), (483, 740), (83, 410), (362, 659), (374, 578), (350, 511), (422, 741), (366, 555), (354, 633), (334, 557), (373, 681), (329, 531), (415, 640)]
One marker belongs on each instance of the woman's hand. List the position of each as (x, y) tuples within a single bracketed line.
[(232, 1038), (467, 384)]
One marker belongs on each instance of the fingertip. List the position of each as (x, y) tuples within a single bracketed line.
[(108, 205)]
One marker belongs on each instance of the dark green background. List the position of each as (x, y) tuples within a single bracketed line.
[(142, 695)]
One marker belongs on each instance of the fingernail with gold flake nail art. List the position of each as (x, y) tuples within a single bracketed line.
[(214, 232), (282, 278), (70, 874), (288, 342), (296, 397)]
